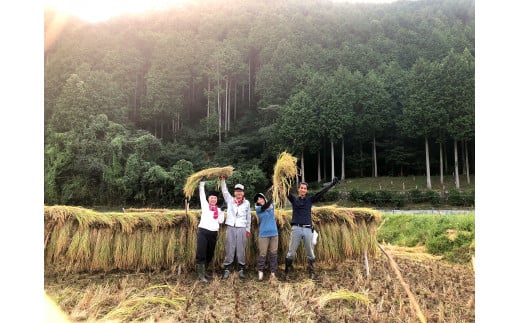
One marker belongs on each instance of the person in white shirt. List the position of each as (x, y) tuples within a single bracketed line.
[(210, 219), (238, 228)]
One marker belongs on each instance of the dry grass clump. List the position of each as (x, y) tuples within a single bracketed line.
[(133, 307), (285, 171), (214, 172), (344, 295)]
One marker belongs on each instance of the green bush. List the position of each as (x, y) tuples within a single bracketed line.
[(433, 197), (370, 197), (356, 196), (460, 198), (432, 231), (416, 196)]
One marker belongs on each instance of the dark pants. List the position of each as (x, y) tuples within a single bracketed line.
[(206, 242)]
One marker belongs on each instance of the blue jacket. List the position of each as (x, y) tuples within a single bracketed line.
[(267, 222)]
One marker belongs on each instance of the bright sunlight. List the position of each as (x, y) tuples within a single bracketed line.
[(101, 10)]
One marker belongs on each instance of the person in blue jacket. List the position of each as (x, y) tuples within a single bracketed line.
[(267, 235)]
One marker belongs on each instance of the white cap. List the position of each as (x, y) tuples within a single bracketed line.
[(239, 187)]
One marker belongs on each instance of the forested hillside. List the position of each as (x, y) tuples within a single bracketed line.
[(136, 104)]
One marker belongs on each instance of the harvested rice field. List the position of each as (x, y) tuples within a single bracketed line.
[(137, 266), (444, 293)]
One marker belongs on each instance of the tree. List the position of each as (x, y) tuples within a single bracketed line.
[(72, 109), (297, 127), (459, 100), (423, 115), (166, 81), (335, 111)]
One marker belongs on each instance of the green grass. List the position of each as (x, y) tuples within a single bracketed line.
[(451, 236)]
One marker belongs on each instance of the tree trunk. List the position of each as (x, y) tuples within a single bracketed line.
[(207, 110), (332, 159), (226, 109), (303, 169), (324, 163), (441, 163), (219, 109), (464, 171), (249, 85), (342, 158), (319, 166), (235, 104), (162, 129), (457, 184), (467, 161), (428, 179), (361, 158), (374, 156), (135, 95), (445, 151)]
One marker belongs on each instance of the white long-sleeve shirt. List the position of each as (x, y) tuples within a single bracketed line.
[(237, 215), (206, 218)]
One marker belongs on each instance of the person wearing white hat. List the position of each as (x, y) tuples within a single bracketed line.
[(238, 228)]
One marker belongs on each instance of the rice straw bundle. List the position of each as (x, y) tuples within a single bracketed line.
[(285, 170), (194, 179), (342, 295)]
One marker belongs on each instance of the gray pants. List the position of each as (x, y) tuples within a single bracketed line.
[(297, 234), (235, 243)]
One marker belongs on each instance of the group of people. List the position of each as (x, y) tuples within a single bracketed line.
[(238, 229)]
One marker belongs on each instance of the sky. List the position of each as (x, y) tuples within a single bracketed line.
[(21, 165)]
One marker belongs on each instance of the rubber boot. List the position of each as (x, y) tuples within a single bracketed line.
[(312, 275), (288, 266), (273, 262), (208, 277), (201, 271), (241, 273), (260, 263), (227, 272)]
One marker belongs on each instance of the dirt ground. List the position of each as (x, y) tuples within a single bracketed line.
[(445, 292)]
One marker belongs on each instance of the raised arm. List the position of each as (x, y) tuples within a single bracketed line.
[(324, 190), (223, 187), (202, 194)]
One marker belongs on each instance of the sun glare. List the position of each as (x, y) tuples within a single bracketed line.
[(100, 10)]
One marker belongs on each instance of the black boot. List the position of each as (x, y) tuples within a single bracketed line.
[(201, 271), (288, 266), (241, 273), (312, 275), (227, 271), (208, 277)]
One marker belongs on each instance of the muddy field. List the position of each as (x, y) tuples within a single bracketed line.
[(444, 291)]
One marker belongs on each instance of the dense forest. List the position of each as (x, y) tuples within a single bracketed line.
[(136, 104)]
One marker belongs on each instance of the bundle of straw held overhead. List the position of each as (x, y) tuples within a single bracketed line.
[(215, 172), (285, 171)]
